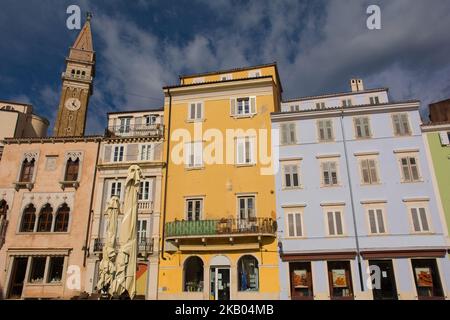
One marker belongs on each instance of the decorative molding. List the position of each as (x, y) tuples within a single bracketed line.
[(326, 156), (332, 204), (366, 153), (418, 199), (406, 150), (373, 201), (299, 205), (29, 156), (73, 155), (55, 199)]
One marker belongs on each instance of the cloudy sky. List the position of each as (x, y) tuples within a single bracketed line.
[(143, 45)]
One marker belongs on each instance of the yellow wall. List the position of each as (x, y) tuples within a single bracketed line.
[(213, 183)]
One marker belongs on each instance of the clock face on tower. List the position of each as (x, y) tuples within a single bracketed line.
[(73, 104)]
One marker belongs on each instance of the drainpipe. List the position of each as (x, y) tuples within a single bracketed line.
[(85, 248), (352, 202), (167, 176)]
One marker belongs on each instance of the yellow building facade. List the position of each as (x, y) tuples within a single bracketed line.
[(219, 221)]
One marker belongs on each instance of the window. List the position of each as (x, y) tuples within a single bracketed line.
[(242, 107), (225, 77), (116, 188), (142, 231), (150, 120), (245, 151), (28, 219), (362, 127), (118, 153), (335, 227), (37, 269), (376, 221), (320, 105), (443, 135), (3, 209), (198, 80), (62, 219), (401, 124), (195, 111), (194, 154), (246, 207), (125, 126), (340, 280), (291, 175), (368, 171), (294, 224), (410, 169), (374, 100), (325, 128), (194, 208), (254, 73), (193, 274), (27, 170), (288, 133), (347, 102), (329, 173), (144, 191), (419, 219), (146, 152), (248, 274), (301, 280), (55, 271), (45, 219), (427, 279), (72, 168), (295, 107)]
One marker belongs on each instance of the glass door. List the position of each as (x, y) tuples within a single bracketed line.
[(387, 289), (220, 283)]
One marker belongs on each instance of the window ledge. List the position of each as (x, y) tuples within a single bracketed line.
[(242, 165), (23, 185), (194, 168), (300, 187), (330, 186), (371, 184), (244, 116), (412, 182), (194, 120), (69, 184)]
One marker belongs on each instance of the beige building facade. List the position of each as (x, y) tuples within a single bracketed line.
[(132, 138)]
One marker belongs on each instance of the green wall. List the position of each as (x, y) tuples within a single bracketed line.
[(441, 162)]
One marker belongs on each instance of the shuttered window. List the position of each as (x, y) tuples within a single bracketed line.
[(329, 173), (376, 221), (335, 226), (288, 133), (294, 225), (419, 219), (369, 171), (243, 106), (401, 124), (410, 169), (193, 154), (362, 127), (325, 130)]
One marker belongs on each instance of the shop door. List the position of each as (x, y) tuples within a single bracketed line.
[(220, 283), (387, 289)]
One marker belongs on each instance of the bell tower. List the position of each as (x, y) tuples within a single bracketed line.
[(77, 85)]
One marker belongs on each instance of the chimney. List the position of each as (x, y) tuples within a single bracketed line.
[(356, 85), (353, 85), (360, 84)]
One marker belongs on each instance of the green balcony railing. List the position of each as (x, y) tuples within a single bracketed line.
[(220, 227)]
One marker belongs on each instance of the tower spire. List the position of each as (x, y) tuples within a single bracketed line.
[(84, 39)]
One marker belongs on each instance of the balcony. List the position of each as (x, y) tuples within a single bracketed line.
[(145, 246), (141, 130), (229, 229)]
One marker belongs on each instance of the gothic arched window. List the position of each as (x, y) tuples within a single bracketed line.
[(72, 168), (28, 219), (26, 173), (62, 219), (45, 219), (3, 209)]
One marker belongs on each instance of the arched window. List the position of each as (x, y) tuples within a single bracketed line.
[(3, 209), (62, 219), (248, 274), (83, 74), (193, 274), (28, 219), (26, 174), (72, 168), (45, 219)]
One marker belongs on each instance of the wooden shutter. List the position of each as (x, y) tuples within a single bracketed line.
[(253, 105), (191, 115), (415, 218), (321, 125), (132, 151), (373, 170), (107, 154), (199, 111), (137, 123), (198, 153), (397, 127), (283, 128), (292, 135), (233, 107), (380, 221)]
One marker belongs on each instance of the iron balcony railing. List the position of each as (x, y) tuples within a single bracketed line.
[(145, 245), (138, 130), (221, 227)]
